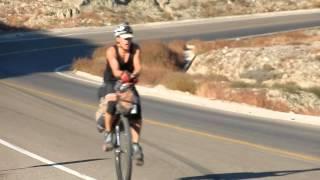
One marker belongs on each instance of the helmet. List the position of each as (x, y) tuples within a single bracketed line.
[(123, 30)]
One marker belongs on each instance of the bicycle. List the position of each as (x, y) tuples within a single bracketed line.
[(122, 142)]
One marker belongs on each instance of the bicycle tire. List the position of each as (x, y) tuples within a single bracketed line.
[(123, 152)]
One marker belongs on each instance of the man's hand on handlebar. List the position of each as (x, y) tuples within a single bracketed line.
[(126, 77), (133, 78)]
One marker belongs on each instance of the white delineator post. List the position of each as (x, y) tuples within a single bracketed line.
[(189, 56)]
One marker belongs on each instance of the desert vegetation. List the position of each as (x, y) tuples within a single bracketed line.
[(163, 64)]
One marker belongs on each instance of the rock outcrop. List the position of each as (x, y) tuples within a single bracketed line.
[(280, 64), (45, 14), (287, 73)]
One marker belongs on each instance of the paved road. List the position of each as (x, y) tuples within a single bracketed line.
[(47, 130)]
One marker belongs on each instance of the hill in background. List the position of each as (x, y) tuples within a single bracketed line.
[(47, 14)]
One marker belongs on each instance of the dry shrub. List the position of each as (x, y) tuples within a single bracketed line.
[(160, 63), (157, 53), (308, 111), (298, 34), (89, 15), (212, 90), (290, 87), (315, 51), (114, 18), (212, 77), (276, 105), (16, 21), (152, 75), (292, 37), (89, 66), (158, 59), (317, 58), (179, 81), (94, 65), (211, 10), (167, 16), (177, 48), (218, 90), (241, 84), (315, 90), (285, 38), (205, 46), (99, 54), (186, 4), (255, 98), (202, 47)]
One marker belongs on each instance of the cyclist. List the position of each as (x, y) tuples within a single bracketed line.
[(122, 63)]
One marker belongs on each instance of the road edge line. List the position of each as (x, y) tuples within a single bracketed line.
[(44, 160)]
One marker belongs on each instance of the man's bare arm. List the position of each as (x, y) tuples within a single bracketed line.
[(137, 62), (111, 58)]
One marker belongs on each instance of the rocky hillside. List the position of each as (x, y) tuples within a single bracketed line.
[(279, 72), (44, 14)]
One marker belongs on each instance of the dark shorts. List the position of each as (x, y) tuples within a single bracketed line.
[(108, 88)]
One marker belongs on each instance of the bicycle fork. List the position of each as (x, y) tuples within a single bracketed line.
[(117, 143)]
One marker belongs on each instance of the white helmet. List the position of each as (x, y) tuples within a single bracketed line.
[(123, 30)]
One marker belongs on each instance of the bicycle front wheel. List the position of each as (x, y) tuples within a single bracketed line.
[(123, 151)]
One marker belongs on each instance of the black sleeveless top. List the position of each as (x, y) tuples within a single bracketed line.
[(128, 66)]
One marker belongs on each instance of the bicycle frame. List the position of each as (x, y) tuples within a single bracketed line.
[(123, 150), (122, 139)]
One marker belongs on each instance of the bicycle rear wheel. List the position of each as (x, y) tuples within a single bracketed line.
[(123, 151)]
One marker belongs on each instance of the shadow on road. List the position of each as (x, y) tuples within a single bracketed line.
[(248, 175), (4, 28), (55, 164), (25, 51)]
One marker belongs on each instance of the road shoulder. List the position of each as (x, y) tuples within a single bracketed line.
[(161, 92)]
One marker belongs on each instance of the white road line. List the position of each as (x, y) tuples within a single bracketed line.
[(58, 69), (34, 156)]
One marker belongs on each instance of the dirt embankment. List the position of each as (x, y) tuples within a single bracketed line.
[(278, 72)]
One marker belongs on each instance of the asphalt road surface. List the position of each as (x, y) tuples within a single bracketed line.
[(47, 128)]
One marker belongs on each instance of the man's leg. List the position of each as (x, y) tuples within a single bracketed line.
[(107, 145), (104, 114), (135, 131), (136, 126), (108, 121), (137, 149)]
